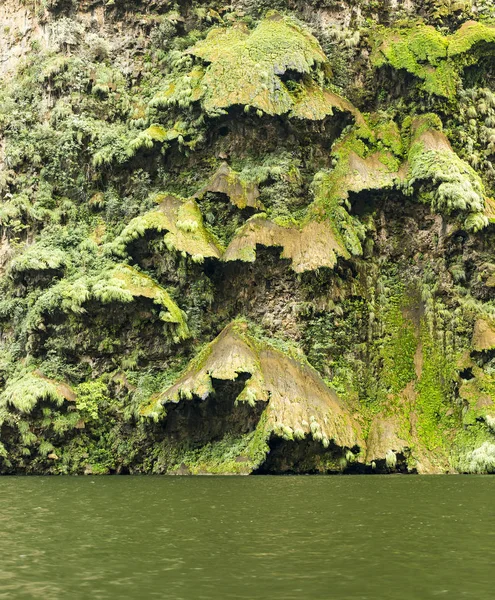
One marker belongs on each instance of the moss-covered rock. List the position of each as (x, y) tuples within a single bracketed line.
[(298, 403), (169, 168), (248, 69), (309, 247), (182, 221), (436, 59)]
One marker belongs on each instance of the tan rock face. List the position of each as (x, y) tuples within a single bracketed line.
[(299, 403), (383, 438), (226, 181), (313, 246), (483, 335), (20, 28)]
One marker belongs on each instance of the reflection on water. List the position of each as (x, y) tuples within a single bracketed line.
[(342, 538)]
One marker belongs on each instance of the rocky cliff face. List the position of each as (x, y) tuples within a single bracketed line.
[(247, 237)]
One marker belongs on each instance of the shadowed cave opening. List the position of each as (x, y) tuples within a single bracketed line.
[(199, 422), (35, 278), (151, 254), (239, 132), (466, 374), (309, 457), (380, 467), (222, 217), (291, 75), (482, 73), (392, 84), (483, 358), (392, 203), (306, 456), (247, 134)]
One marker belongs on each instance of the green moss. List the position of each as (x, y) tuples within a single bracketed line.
[(157, 133), (443, 179), (183, 222), (469, 35), (435, 59), (241, 188), (418, 50), (256, 59), (310, 246), (127, 280), (388, 133), (399, 348), (243, 67), (24, 392), (364, 160), (329, 198), (434, 390), (479, 394), (298, 400)]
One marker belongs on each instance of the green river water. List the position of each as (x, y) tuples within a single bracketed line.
[(341, 537)]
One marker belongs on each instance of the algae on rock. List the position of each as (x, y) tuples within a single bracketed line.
[(322, 183), (298, 403)]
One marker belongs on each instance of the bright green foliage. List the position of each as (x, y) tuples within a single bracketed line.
[(432, 57), (434, 391), (24, 392), (38, 258), (364, 160), (456, 187), (348, 230), (90, 395), (246, 68), (422, 51), (399, 349), (470, 35), (446, 181), (220, 457), (155, 220)]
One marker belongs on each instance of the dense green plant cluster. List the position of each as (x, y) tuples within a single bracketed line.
[(435, 59), (446, 182), (474, 126)]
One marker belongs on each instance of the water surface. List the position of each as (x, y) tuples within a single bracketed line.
[(342, 538)]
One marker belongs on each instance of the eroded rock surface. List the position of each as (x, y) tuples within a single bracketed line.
[(247, 237)]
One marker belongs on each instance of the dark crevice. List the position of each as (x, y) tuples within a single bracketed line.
[(380, 467), (483, 357), (467, 374), (301, 457), (291, 75), (198, 421), (36, 278), (221, 216)]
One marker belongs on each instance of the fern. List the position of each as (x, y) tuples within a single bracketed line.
[(25, 392)]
